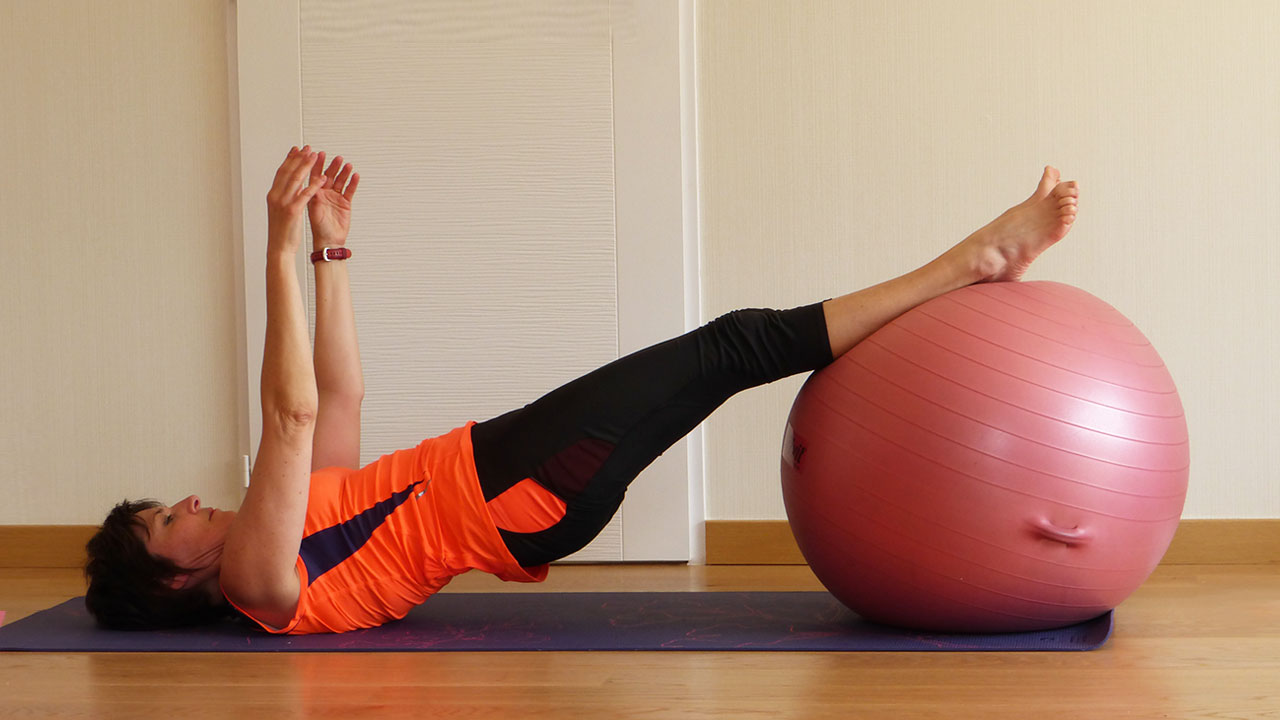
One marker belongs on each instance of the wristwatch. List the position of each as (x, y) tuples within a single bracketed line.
[(327, 254)]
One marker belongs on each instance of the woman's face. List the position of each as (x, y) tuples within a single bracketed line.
[(188, 535)]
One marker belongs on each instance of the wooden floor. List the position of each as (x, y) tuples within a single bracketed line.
[(1193, 642)]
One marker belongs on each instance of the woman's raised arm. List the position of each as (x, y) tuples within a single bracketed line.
[(339, 378), (262, 545)]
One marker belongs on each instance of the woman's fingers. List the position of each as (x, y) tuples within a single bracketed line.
[(305, 194), (295, 183), (332, 172), (340, 181), (303, 174), (286, 174), (302, 167), (351, 187), (283, 171), (318, 167)]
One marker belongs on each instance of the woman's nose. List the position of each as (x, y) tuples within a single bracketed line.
[(192, 502)]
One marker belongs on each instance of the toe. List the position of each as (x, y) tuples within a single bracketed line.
[(1048, 180)]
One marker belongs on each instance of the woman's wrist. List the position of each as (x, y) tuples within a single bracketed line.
[(285, 237), (281, 247), (318, 243)]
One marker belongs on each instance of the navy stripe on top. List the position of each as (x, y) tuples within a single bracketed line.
[(325, 549)]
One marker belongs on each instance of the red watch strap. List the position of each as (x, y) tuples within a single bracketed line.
[(328, 254)]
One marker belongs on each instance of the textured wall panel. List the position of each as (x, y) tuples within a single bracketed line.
[(483, 233)]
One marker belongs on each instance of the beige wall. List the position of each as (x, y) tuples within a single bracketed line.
[(839, 143), (844, 142), (118, 299)]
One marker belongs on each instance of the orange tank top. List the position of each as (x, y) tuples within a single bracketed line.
[(380, 540)]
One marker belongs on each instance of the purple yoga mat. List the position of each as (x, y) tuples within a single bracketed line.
[(803, 621)]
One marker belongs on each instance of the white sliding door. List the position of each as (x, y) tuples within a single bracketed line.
[(510, 233)]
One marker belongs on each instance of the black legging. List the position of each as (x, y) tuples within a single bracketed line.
[(587, 440)]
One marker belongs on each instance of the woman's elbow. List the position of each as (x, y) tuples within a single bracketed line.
[(291, 417)]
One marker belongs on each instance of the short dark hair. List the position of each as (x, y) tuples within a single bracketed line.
[(128, 586)]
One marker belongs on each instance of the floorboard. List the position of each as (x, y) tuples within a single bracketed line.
[(1193, 642)]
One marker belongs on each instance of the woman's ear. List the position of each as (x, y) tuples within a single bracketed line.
[(179, 581)]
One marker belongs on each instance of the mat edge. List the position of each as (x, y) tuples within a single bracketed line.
[(925, 637)]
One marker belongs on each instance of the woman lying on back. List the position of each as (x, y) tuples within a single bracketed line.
[(322, 545)]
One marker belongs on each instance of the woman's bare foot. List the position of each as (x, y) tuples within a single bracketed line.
[(1003, 249)]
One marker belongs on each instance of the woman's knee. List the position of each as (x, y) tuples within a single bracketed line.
[(746, 343), (763, 345)]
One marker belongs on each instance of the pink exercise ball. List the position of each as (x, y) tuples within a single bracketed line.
[(1006, 457)]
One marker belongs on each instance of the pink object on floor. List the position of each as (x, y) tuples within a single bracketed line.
[(1009, 456)]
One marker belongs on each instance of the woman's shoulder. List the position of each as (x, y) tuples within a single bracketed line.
[(273, 605)]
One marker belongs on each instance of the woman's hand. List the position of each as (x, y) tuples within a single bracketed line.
[(330, 208), (288, 196)]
